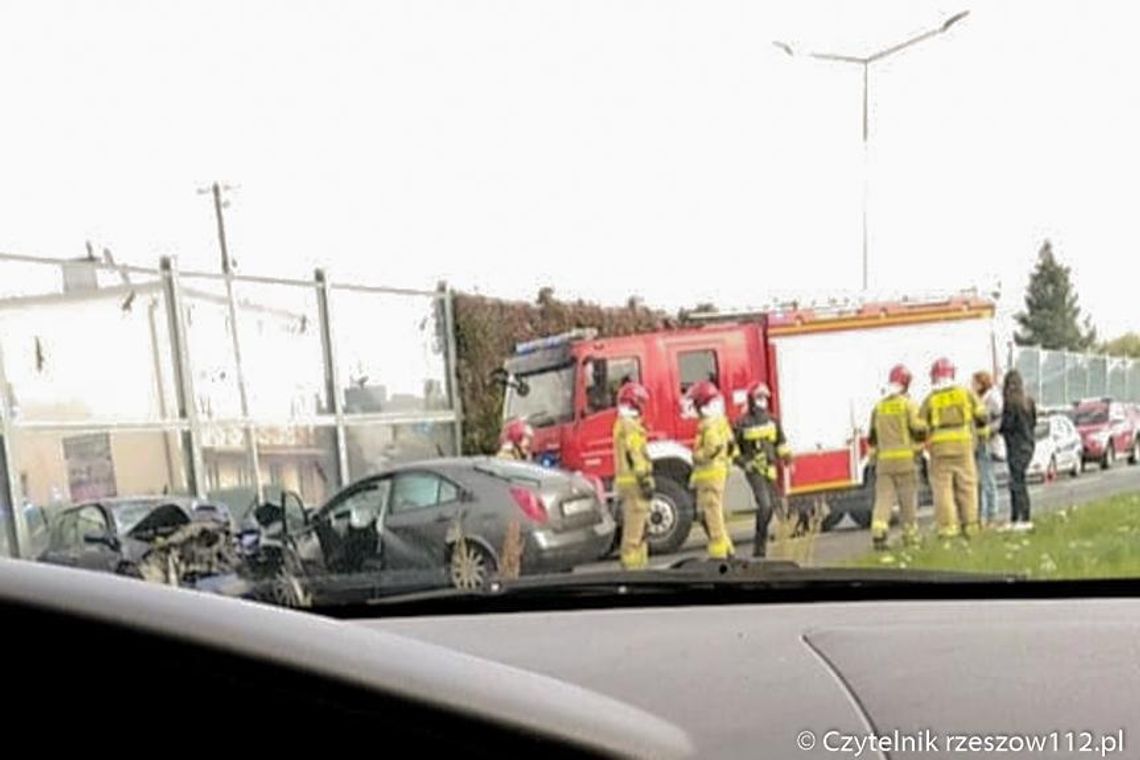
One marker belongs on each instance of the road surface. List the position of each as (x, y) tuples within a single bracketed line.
[(847, 541)]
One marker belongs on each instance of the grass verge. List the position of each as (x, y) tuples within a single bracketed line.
[(1100, 539)]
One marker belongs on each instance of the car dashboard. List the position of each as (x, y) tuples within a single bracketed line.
[(758, 679)]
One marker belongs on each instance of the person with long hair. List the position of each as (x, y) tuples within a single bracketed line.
[(1018, 421), (985, 449)]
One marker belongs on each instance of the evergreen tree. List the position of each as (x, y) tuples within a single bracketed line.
[(1052, 316)]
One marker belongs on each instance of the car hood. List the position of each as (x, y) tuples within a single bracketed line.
[(747, 679)]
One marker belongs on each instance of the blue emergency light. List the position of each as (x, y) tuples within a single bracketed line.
[(554, 341)]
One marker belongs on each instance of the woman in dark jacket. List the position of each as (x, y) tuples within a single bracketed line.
[(1018, 422)]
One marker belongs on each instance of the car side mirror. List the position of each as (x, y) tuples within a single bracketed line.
[(101, 538), (466, 496)]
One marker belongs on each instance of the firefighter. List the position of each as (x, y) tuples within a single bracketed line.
[(515, 441), (953, 415), (761, 443), (633, 473), (714, 449), (895, 428)]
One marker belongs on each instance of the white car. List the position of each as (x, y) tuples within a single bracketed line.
[(1058, 448)]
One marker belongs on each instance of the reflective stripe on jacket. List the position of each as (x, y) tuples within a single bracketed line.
[(895, 427), (953, 415), (631, 452), (760, 439)]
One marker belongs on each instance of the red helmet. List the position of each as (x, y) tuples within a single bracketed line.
[(759, 389), (703, 392), (633, 394), (942, 369), (515, 431), (900, 376)]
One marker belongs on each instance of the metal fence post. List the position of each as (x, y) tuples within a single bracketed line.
[(243, 395), (1040, 373), (1065, 378), (183, 375), (452, 365), (17, 528), (332, 373)]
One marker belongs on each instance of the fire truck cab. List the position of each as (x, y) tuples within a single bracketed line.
[(826, 369)]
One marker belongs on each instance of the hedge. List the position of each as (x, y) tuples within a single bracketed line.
[(487, 329)]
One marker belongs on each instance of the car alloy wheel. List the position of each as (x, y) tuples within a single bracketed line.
[(470, 566)]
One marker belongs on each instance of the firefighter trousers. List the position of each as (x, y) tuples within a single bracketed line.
[(764, 492), (634, 514), (895, 488), (710, 501), (954, 479)]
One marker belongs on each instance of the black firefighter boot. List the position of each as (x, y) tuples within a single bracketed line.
[(760, 546)]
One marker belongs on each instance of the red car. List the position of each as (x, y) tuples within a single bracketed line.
[(1108, 430)]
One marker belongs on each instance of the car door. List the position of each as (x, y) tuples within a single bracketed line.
[(347, 532), (1118, 425), (63, 543), (423, 508), (98, 546)]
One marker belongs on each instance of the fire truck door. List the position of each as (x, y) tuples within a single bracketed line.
[(596, 410)]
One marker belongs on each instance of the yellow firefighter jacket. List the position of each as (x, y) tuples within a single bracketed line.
[(896, 427), (714, 450), (631, 453), (954, 416)]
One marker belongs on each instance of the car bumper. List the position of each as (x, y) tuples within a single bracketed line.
[(550, 551), (1092, 451)]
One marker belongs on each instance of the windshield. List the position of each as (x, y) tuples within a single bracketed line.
[(129, 514), (550, 397), (1091, 415), (489, 292)]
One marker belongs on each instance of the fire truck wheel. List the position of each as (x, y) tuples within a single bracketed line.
[(670, 517), (862, 519)]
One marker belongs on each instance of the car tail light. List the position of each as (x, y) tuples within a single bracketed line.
[(529, 503)]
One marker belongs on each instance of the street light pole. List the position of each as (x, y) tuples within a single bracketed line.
[(865, 62)]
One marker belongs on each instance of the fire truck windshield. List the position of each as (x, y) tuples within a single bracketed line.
[(550, 399)]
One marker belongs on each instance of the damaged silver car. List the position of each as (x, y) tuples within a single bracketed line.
[(162, 539)]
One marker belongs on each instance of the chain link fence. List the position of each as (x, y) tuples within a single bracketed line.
[(1059, 378)]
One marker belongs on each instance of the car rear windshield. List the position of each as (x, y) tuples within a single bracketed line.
[(515, 472), (1091, 415)]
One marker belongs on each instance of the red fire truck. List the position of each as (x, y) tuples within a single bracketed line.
[(826, 366)]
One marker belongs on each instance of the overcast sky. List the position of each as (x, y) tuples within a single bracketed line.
[(608, 148)]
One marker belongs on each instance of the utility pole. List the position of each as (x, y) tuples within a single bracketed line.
[(865, 63), (227, 267), (252, 455)]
